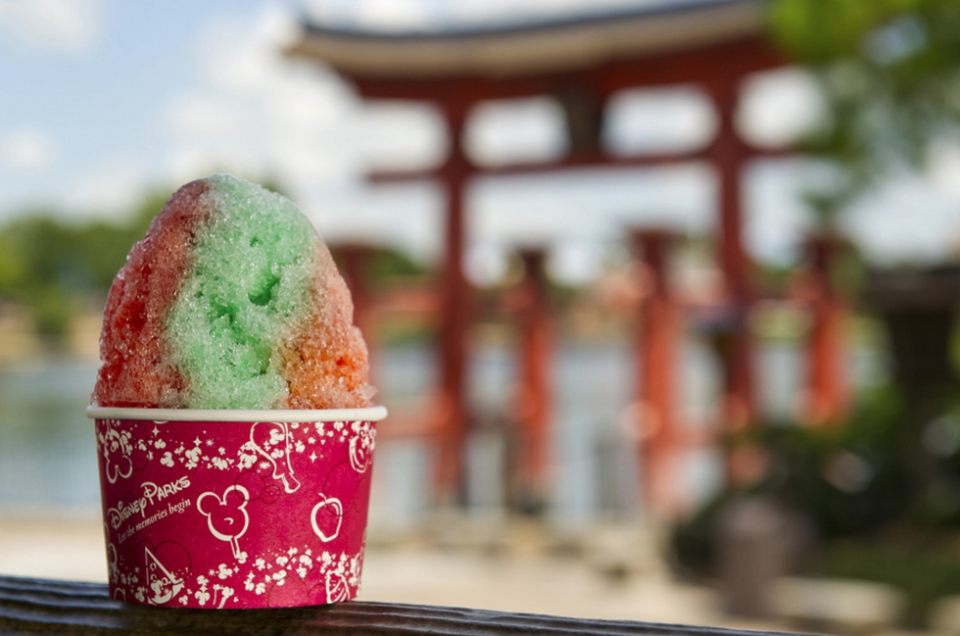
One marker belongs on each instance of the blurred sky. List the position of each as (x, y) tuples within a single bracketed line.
[(103, 99)]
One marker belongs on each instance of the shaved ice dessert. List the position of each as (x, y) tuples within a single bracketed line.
[(231, 301), (235, 434)]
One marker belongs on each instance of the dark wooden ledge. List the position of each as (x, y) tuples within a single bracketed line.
[(32, 606)]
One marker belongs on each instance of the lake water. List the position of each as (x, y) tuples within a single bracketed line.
[(47, 454)]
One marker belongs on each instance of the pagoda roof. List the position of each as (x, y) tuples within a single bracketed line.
[(519, 48)]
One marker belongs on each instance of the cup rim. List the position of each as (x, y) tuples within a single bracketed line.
[(368, 414)]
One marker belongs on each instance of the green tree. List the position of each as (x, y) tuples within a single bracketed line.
[(47, 264), (890, 73)]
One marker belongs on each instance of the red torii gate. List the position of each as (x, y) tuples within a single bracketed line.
[(581, 62)]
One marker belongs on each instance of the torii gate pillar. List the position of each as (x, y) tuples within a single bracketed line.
[(729, 154), (828, 393), (657, 357), (533, 401), (453, 418)]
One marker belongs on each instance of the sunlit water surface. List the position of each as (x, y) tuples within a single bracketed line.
[(48, 460)]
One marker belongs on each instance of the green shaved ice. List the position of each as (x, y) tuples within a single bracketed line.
[(248, 288)]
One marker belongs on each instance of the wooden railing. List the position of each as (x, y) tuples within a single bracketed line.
[(33, 606)]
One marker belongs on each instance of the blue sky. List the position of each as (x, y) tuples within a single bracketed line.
[(103, 99), (92, 95)]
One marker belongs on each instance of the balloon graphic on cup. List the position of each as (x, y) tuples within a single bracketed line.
[(361, 448), (226, 516), (326, 518), (272, 440)]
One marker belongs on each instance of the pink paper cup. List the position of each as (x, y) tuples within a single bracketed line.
[(235, 509)]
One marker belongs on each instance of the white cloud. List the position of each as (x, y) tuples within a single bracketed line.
[(659, 120), (778, 106), (486, 264), (261, 115), (407, 216), (775, 217), (398, 135), (589, 205), (944, 168), (65, 26), (113, 186), (905, 220), (575, 262), (257, 112), (204, 114), (28, 150), (513, 131), (393, 14)]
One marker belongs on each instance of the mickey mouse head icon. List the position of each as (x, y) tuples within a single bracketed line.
[(227, 516)]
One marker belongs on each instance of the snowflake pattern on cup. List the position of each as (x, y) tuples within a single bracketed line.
[(232, 514)]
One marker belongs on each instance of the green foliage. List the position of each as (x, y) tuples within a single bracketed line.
[(889, 73), (52, 313), (46, 250), (820, 31), (382, 265), (846, 480), (13, 270), (693, 542), (857, 485), (924, 570), (393, 264), (46, 264)]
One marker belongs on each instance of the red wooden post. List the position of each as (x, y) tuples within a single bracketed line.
[(729, 153), (828, 391), (533, 401), (657, 355), (453, 416)]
